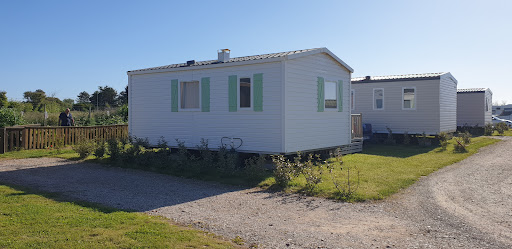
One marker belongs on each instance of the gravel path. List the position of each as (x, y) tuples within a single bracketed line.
[(465, 205)]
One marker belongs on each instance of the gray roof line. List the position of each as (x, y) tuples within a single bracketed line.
[(236, 59), (402, 77)]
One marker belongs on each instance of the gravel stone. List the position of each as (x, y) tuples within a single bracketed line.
[(465, 205)]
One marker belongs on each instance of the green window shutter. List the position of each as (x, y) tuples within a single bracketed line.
[(205, 94), (258, 92), (321, 97), (232, 91), (174, 95), (340, 95)]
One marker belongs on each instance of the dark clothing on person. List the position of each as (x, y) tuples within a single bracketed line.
[(66, 120)]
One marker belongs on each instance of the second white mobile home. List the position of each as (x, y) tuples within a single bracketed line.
[(474, 107), (413, 103)]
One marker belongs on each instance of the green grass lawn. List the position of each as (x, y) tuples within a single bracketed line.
[(34, 220), (386, 169), (67, 153), (507, 133)]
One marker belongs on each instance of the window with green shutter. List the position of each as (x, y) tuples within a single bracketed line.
[(321, 101), (258, 92), (174, 95), (340, 95), (232, 92), (205, 94)]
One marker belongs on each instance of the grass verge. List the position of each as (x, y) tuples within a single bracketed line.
[(506, 133), (36, 220), (66, 153), (384, 169)]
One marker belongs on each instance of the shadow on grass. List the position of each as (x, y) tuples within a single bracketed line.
[(400, 151), (118, 188), (24, 191)]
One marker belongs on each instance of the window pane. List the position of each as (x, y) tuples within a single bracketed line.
[(409, 98), (379, 98), (189, 95), (330, 95), (245, 92)]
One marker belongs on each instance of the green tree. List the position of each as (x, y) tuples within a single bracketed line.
[(35, 97), (3, 99), (68, 103), (123, 96), (10, 117), (83, 98), (104, 97)]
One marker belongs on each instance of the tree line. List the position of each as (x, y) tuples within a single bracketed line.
[(104, 97)]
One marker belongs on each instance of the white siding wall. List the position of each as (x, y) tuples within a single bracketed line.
[(448, 103), (305, 127), (471, 109), (151, 116), (424, 119)]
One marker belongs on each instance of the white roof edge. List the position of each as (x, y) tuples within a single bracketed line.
[(231, 64), (321, 50)]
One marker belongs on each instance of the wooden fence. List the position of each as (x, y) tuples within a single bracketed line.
[(357, 126), (40, 137)]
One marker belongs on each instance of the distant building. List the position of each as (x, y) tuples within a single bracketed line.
[(474, 107)]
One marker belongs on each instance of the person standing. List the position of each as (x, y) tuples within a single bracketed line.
[(66, 119)]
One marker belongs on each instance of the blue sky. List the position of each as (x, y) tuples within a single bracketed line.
[(65, 47)]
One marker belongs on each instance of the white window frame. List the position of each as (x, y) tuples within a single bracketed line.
[(415, 97), (239, 96), (336, 95), (179, 97), (353, 99), (374, 104)]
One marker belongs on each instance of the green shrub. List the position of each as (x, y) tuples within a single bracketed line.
[(346, 189), (84, 148), (466, 138), (443, 140), (255, 167), (205, 154), (488, 130), (312, 172), (114, 149), (501, 128), (10, 117), (284, 171), (100, 149)]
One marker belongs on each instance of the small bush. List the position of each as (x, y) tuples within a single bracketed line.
[(255, 166), (312, 171), (466, 138), (501, 128), (114, 150), (84, 148), (10, 117), (100, 149), (284, 171), (205, 154), (443, 140), (488, 130), (346, 189), (162, 143)]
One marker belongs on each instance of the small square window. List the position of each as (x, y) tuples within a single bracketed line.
[(330, 95), (189, 95), (409, 98)]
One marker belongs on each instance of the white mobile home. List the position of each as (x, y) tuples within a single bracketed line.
[(413, 103), (474, 107), (270, 103)]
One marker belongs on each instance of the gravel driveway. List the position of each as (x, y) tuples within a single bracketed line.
[(465, 205)]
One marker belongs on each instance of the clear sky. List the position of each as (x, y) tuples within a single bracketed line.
[(65, 47)]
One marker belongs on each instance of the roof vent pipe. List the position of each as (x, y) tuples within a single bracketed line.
[(190, 63), (367, 78), (223, 55)]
